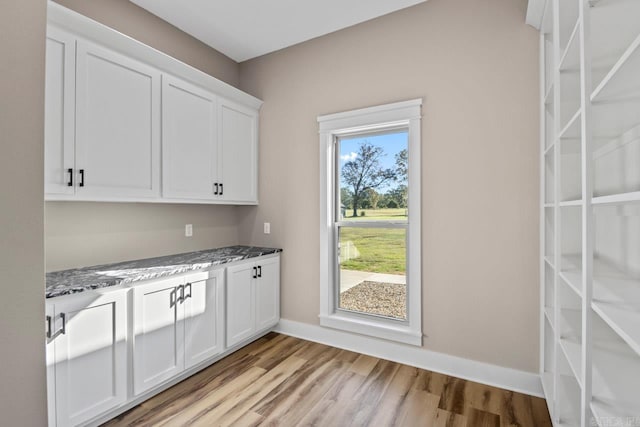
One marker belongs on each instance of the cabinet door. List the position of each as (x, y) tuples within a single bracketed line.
[(158, 352), (60, 80), (239, 152), (51, 363), (118, 125), (268, 293), (240, 308), (203, 321), (189, 141), (90, 356)]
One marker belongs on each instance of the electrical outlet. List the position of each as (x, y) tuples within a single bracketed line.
[(267, 228), (188, 230)]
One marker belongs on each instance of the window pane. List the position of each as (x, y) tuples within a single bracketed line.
[(372, 177), (372, 273)]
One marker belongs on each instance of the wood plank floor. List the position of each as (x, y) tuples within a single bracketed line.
[(284, 381)]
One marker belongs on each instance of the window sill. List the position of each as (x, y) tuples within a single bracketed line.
[(402, 334)]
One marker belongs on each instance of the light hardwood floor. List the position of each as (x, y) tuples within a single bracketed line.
[(284, 381)]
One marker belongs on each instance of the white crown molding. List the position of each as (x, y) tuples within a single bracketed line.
[(82, 26), (535, 12)]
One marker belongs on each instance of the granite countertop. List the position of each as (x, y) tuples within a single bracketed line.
[(76, 280)]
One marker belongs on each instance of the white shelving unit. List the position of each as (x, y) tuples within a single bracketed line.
[(590, 209)]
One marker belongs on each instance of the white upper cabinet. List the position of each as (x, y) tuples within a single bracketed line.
[(118, 124), (125, 122), (239, 152), (60, 89), (189, 141)]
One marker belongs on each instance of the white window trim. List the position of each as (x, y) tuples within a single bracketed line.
[(407, 114)]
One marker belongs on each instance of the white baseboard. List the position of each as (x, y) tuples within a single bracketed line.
[(471, 370)]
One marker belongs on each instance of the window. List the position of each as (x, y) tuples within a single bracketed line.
[(370, 221)]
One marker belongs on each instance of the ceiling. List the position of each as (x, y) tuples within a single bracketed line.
[(245, 29)]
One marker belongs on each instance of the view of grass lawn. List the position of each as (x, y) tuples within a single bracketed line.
[(382, 250), (377, 214)]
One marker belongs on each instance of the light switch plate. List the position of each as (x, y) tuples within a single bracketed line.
[(188, 230), (267, 228)]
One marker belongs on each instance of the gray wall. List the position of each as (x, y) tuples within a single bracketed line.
[(22, 363), (81, 234), (476, 65)]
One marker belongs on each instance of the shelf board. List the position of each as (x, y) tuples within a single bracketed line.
[(573, 351), (616, 372), (572, 129), (549, 261), (568, 409), (548, 149), (616, 100), (548, 95), (624, 320), (571, 203), (549, 205), (571, 344), (570, 59), (573, 278), (624, 60), (613, 199), (548, 313)]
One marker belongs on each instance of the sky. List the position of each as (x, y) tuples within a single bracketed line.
[(391, 143)]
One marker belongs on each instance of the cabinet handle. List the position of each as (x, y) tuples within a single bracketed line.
[(259, 271), (255, 272), (63, 329), (215, 192), (70, 182), (181, 297), (49, 327), (221, 189), (81, 178), (188, 285), (172, 298)]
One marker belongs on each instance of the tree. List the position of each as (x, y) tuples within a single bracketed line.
[(365, 172), (402, 166), (402, 163), (373, 197)]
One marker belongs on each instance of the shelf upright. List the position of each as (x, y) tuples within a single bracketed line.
[(587, 210)]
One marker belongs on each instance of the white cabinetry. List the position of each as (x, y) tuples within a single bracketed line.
[(239, 152), (60, 81), (112, 103), (86, 356), (590, 213), (189, 141), (177, 324), (253, 298), (117, 124)]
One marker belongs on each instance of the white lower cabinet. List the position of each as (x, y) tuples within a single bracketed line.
[(86, 356), (177, 324), (107, 347), (253, 298)]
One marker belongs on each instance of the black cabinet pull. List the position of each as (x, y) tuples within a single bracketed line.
[(188, 285), (181, 297), (259, 271), (70, 182), (255, 272), (48, 326), (172, 298), (215, 192), (221, 189), (63, 330), (81, 178)]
